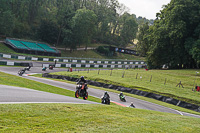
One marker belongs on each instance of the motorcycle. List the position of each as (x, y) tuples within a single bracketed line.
[(81, 91), (122, 98), (105, 100), (132, 106), (44, 68), (51, 67), (21, 72)]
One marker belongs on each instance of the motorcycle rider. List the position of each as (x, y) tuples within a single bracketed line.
[(121, 94), (82, 80), (106, 95), (132, 105)]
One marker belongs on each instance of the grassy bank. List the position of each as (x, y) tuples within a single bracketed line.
[(76, 53), (11, 80), (90, 118), (173, 77)]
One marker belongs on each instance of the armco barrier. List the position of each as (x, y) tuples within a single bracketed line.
[(131, 91), (75, 60), (11, 63)]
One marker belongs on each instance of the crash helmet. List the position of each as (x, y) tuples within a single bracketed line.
[(106, 92), (121, 93), (82, 77)]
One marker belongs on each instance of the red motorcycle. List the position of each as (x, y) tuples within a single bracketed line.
[(81, 91)]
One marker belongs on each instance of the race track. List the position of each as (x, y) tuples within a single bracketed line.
[(92, 92)]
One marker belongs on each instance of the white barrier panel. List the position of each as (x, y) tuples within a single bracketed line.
[(97, 66), (21, 57), (105, 66), (6, 56), (91, 61), (83, 61), (131, 62), (34, 59), (45, 59), (139, 66), (68, 65), (45, 65), (125, 62), (113, 62), (74, 60), (87, 65), (126, 66), (65, 60), (119, 66), (10, 63), (99, 62), (58, 65), (119, 62), (78, 65), (106, 62), (142, 62), (136, 63), (112, 66)]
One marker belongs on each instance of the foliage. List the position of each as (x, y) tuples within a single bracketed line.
[(174, 36), (103, 50), (67, 22)]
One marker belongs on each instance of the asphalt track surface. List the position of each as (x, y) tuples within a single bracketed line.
[(16, 94)]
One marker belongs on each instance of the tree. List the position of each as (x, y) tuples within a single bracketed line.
[(48, 31), (7, 21), (171, 35), (143, 37), (129, 29), (84, 23)]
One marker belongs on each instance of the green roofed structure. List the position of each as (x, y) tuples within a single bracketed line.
[(46, 47), (23, 46)]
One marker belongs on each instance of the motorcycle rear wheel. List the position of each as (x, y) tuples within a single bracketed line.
[(86, 97)]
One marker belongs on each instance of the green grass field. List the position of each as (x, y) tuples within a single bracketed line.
[(91, 118), (173, 77)]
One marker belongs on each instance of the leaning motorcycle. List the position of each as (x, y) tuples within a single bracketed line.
[(122, 98), (21, 72), (105, 100), (81, 91)]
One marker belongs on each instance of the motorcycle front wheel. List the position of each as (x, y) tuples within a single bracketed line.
[(76, 94)]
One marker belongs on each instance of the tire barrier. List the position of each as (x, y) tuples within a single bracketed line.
[(131, 91)]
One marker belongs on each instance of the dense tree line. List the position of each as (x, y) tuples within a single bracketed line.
[(68, 22), (174, 39)]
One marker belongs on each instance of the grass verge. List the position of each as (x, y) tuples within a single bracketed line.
[(90, 118)]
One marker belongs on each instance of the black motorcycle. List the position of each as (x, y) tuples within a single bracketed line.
[(105, 100), (81, 91), (21, 72)]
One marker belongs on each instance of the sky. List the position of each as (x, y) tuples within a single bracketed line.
[(145, 8)]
